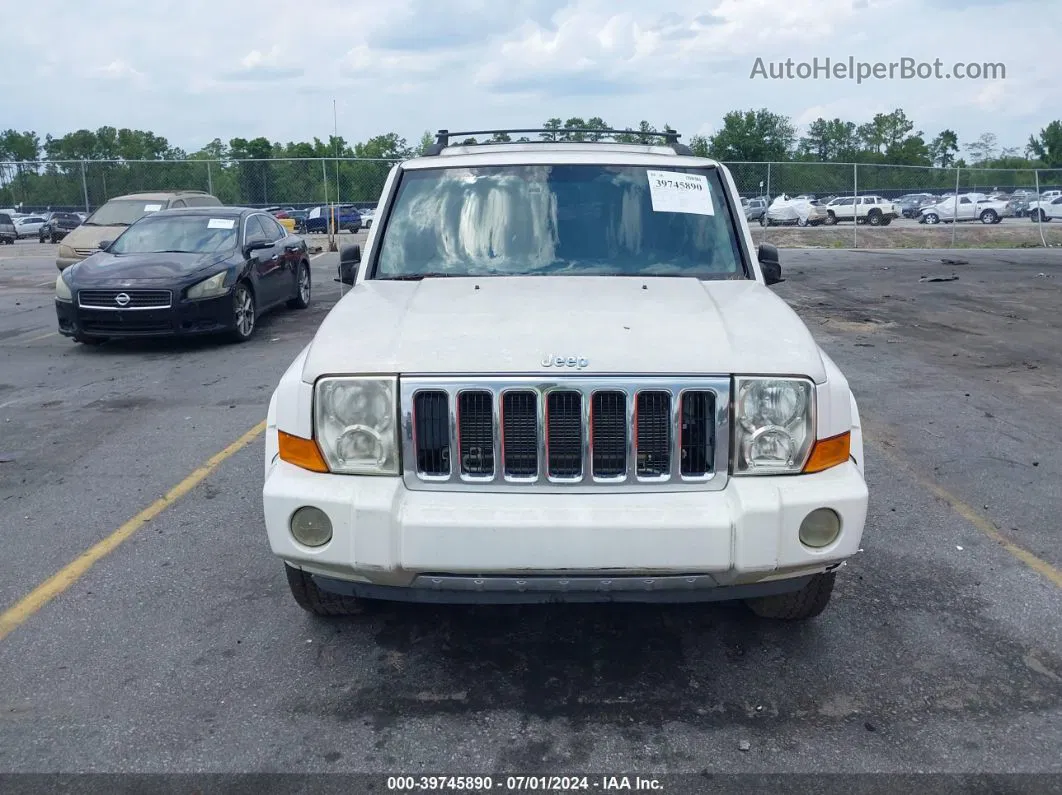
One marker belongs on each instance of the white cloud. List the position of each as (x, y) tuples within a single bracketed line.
[(202, 69)]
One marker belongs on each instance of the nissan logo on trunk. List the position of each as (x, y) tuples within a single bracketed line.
[(122, 299)]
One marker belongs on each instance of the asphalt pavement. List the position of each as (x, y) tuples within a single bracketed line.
[(182, 651)]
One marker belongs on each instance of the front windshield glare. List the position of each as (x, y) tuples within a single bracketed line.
[(576, 220), (193, 234)]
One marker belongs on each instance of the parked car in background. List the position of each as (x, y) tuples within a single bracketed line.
[(911, 203), (755, 208), (7, 229), (785, 211), (970, 207), (333, 218), (873, 210), (29, 225), (1045, 209), (58, 226), (1050, 194), (195, 270), (367, 217), (112, 218), (1020, 201)]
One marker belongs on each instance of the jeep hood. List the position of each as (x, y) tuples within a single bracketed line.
[(509, 325)]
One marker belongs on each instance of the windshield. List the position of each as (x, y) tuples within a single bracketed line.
[(123, 212), (191, 234), (577, 220)]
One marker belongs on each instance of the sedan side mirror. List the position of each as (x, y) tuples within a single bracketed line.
[(349, 262), (105, 244), (772, 269)]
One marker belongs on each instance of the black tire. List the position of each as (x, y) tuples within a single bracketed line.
[(244, 306), (800, 605), (831, 218), (54, 240), (764, 221), (87, 340), (989, 217), (302, 296), (874, 218), (321, 603), (931, 218)]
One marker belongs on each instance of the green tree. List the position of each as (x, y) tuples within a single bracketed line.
[(753, 136), (829, 140), (1047, 146), (553, 125), (985, 148), (944, 148)]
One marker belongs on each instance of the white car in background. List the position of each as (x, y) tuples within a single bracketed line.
[(1045, 209), (970, 207), (29, 225), (873, 210)]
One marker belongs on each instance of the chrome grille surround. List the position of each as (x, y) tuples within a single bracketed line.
[(498, 481)]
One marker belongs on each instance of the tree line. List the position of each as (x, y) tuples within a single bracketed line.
[(89, 166)]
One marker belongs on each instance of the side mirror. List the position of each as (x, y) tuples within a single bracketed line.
[(349, 262), (772, 269), (105, 244), (255, 245)]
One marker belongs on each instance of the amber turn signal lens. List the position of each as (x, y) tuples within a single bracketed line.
[(301, 452), (829, 453)]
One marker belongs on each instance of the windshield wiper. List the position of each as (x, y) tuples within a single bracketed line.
[(416, 277)]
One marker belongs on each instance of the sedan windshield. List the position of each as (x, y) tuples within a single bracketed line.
[(185, 234), (123, 212), (576, 220)]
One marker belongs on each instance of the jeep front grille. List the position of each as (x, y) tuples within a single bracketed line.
[(651, 433)]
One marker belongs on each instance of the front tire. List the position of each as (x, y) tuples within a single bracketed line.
[(302, 288), (244, 313), (831, 218), (313, 600), (800, 605), (931, 218), (989, 217)]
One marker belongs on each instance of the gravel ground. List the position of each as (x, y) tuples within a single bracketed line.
[(182, 651)]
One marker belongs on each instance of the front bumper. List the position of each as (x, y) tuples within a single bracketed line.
[(389, 542), (183, 319)]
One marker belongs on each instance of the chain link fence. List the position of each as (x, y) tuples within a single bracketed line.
[(303, 183)]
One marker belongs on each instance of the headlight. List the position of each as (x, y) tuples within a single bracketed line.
[(774, 425), (65, 251), (354, 424), (62, 289), (209, 288)]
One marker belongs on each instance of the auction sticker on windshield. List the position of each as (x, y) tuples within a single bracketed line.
[(152, 208), (674, 192), (221, 223)]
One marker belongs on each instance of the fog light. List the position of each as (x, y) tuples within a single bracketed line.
[(820, 528), (311, 526)]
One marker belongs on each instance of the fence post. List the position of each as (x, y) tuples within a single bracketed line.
[(84, 185), (1039, 212), (324, 180), (955, 207), (765, 209), (210, 180), (855, 205)]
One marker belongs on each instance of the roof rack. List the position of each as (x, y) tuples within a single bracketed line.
[(671, 138)]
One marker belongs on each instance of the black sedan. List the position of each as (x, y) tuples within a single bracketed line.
[(57, 226), (202, 270)]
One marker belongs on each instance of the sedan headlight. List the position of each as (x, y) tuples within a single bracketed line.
[(62, 289), (65, 251), (354, 424), (209, 288), (774, 425)]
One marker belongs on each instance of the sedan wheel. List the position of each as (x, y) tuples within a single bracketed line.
[(932, 218), (243, 313), (302, 294), (989, 217)]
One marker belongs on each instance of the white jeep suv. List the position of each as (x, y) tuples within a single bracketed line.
[(560, 375)]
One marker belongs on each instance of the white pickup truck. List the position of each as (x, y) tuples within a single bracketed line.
[(560, 374), (971, 207), (872, 210)]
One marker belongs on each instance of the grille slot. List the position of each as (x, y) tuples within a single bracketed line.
[(475, 430), (653, 429), (431, 428), (564, 434), (696, 436), (608, 428), (572, 433), (520, 433)]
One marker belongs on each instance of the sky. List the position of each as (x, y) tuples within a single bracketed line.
[(198, 69)]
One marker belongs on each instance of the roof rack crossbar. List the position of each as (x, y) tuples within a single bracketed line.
[(670, 137)]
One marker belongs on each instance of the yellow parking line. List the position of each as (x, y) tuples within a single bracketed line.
[(21, 611), (1051, 573), (44, 336)]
